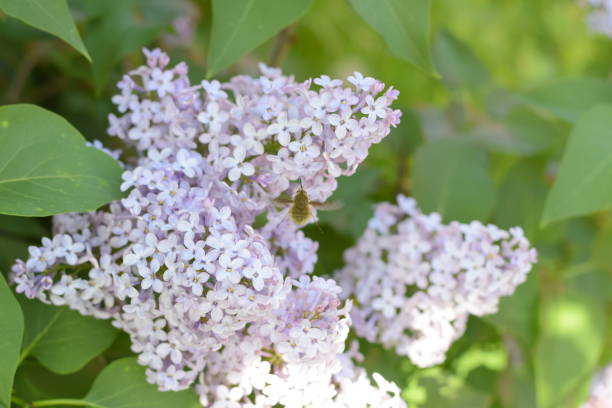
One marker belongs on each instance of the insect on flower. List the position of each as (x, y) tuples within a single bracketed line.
[(300, 206)]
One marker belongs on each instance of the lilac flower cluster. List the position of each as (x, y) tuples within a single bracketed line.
[(599, 18), (415, 281), (207, 298)]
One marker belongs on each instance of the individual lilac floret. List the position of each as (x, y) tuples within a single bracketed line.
[(415, 280), (601, 390)]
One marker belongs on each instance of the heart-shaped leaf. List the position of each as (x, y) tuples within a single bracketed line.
[(46, 168), (583, 182)]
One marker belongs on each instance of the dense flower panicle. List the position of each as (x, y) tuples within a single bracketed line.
[(599, 19), (601, 390), (261, 136), (415, 280), (206, 297)]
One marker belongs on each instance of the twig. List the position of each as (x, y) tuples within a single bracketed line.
[(402, 184), (281, 46), (23, 71)]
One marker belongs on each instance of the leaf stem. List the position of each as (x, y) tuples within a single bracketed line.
[(33, 54), (63, 401), (19, 401)]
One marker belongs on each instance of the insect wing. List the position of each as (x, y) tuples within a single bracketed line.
[(327, 206)]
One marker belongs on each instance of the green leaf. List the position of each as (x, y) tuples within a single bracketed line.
[(570, 98), (11, 332), (46, 168), (356, 207), (10, 250), (443, 389), (332, 245), (589, 280), (516, 386), (52, 16), (457, 64), (16, 234), (34, 382), (522, 133), (452, 178), (516, 312), (567, 350), (22, 227), (585, 172), (241, 25), (521, 198), (120, 32), (111, 390), (404, 24), (61, 339)]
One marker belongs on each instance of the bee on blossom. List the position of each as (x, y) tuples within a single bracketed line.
[(301, 207)]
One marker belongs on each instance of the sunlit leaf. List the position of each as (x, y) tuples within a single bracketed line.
[(568, 347), (46, 168), (583, 182), (443, 389), (52, 16), (241, 25), (404, 24)]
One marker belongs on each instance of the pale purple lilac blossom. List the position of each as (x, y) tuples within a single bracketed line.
[(205, 297), (415, 280)]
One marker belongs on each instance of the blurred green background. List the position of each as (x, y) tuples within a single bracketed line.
[(546, 342)]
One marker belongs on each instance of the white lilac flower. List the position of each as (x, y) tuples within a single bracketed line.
[(416, 280)]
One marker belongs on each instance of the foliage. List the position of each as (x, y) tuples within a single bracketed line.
[(507, 118)]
